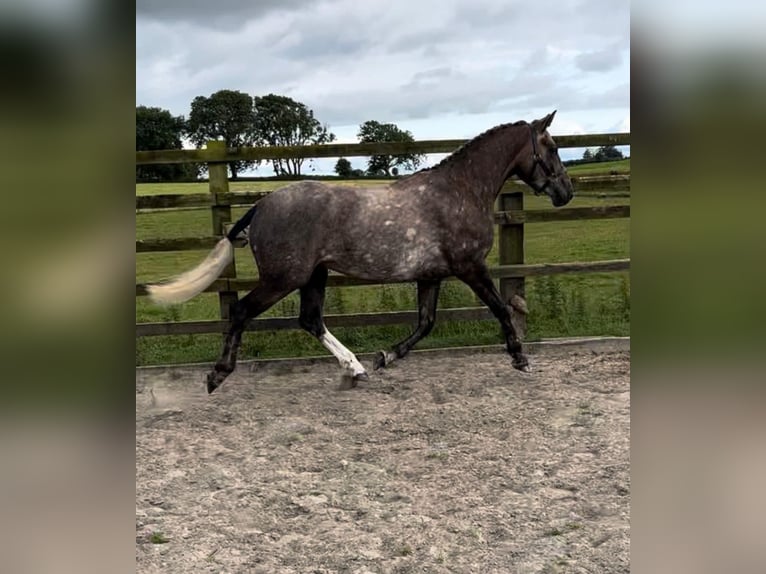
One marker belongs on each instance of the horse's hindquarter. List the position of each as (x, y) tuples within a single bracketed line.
[(288, 228)]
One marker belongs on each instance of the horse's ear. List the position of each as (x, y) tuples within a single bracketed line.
[(543, 123), (549, 119)]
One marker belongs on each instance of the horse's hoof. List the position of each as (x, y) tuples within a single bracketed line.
[(347, 381), (212, 384), (521, 364), (379, 361)]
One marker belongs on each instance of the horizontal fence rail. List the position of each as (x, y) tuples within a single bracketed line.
[(499, 272), (225, 155), (510, 217), (606, 186), (501, 217), (370, 319), (280, 323)]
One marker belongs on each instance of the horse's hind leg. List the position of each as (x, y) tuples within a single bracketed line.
[(253, 304), (428, 295), (311, 319), (481, 282)]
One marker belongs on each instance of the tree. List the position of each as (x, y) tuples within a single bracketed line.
[(343, 168), (373, 131), (607, 153), (159, 129), (587, 155), (281, 121), (226, 115)]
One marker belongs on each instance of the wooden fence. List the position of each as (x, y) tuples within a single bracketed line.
[(510, 218)]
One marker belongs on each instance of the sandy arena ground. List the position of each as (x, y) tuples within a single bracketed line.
[(441, 463)]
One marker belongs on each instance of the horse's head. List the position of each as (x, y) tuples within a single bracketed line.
[(540, 166)]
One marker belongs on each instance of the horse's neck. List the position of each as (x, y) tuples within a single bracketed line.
[(487, 163)]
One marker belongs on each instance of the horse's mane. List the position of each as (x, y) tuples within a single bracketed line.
[(458, 154)]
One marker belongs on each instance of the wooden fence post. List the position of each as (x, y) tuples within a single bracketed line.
[(219, 184), (511, 252)]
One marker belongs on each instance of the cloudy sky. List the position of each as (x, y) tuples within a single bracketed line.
[(439, 68)]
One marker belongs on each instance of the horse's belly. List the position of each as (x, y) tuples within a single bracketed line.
[(408, 263)]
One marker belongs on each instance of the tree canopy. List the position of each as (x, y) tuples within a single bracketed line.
[(226, 115), (607, 153), (343, 167), (159, 129), (281, 121), (374, 131), (604, 153)]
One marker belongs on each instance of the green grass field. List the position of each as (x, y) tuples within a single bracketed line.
[(567, 305), (606, 167)]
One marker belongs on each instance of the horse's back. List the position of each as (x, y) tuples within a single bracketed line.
[(332, 205)]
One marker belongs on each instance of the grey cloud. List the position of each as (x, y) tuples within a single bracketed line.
[(601, 7), (483, 13), (536, 59), (600, 60), (616, 97), (432, 77), (418, 41), (567, 98), (324, 43), (205, 14), (605, 14), (407, 60), (444, 92)]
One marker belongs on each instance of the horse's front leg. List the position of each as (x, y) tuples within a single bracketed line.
[(480, 281)]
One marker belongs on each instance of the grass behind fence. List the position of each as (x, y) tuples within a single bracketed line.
[(564, 305), (560, 306)]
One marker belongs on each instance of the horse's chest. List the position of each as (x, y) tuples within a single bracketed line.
[(410, 253), (473, 236)]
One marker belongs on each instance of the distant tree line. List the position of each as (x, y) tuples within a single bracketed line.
[(245, 121), (381, 165), (159, 129), (273, 120), (604, 153)]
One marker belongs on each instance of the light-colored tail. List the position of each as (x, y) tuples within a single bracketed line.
[(194, 281)]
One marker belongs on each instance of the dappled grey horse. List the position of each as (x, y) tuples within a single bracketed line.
[(431, 225)]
